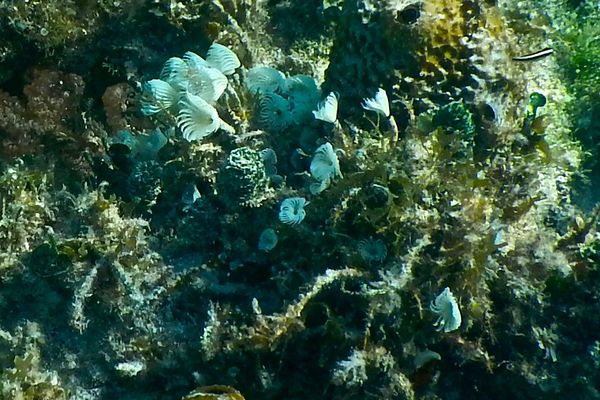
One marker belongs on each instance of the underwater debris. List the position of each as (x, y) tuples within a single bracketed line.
[(446, 307)]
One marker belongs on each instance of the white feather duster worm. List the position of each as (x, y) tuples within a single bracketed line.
[(193, 74), (379, 104), (175, 71), (274, 112), (327, 109), (206, 82), (194, 60), (265, 80), (157, 96), (191, 85), (222, 58), (446, 307), (197, 119), (303, 94), (324, 167), (291, 210)]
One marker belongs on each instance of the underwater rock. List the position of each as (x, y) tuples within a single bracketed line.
[(243, 180)]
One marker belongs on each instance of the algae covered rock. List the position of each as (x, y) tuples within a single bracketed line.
[(243, 180)]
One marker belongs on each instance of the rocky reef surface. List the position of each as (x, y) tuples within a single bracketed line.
[(271, 199)]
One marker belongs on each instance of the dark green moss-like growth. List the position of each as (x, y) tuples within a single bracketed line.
[(578, 51)]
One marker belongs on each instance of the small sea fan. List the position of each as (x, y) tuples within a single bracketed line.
[(324, 167), (197, 119), (265, 80), (446, 307), (274, 112), (380, 103), (157, 96), (292, 211), (222, 58), (327, 109)]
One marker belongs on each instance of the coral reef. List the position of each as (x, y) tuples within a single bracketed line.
[(379, 202)]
